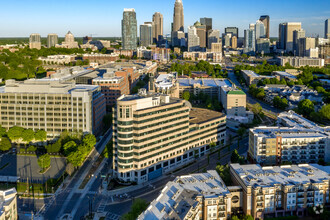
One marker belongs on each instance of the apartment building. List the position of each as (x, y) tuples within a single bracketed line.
[(206, 56), (300, 61), (155, 133), (165, 83), (195, 196), (299, 141), (279, 191), (51, 105), (8, 204), (101, 58), (253, 78)]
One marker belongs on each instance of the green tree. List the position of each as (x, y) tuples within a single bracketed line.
[(325, 111), (248, 217), (69, 147), (28, 135), (44, 161), (31, 149), (76, 158), (40, 135), (235, 157), (224, 173), (54, 148), (89, 140), (139, 206), (241, 132), (305, 107), (186, 95), (15, 133), (234, 218), (2, 131), (5, 144), (256, 108)]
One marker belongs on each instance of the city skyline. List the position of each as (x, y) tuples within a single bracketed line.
[(68, 16)]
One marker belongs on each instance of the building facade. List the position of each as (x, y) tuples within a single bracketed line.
[(300, 61), (52, 40), (327, 29), (158, 22), (249, 41), (146, 38), (265, 19), (232, 30), (35, 41), (8, 204), (155, 133), (297, 34), (193, 39), (52, 106), (129, 30), (260, 30)]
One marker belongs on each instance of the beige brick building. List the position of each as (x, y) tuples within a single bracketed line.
[(8, 205), (154, 134)]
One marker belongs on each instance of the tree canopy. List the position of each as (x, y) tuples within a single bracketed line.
[(15, 133), (44, 161), (139, 205), (5, 144)]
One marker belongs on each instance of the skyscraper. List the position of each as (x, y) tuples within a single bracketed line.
[(52, 40), (234, 42), (157, 32), (282, 35), (202, 34), (146, 34), (290, 27), (213, 37), (297, 34), (327, 29), (265, 20), (129, 29), (249, 41), (35, 41), (207, 22), (260, 30), (232, 30), (193, 39), (178, 17), (304, 45)]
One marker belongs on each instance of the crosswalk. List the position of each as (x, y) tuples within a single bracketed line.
[(112, 216)]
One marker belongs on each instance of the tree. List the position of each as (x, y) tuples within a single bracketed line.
[(40, 135), (139, 206), (44, 161), (235, 157), (325, 111), (54, 148), (15, 133), (256, 108), (234, 218), (2, 131), (69, 147), (31, 149), (224, 173), (76, 158), (305, 107), (248, 217), (89, 140), (28, 135), (5, 144), (241, 132), (186, 95)]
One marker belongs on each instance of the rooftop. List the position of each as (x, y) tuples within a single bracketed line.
[(205, 82), (201, 115), (178, 196), (285, 74), (256, 176)]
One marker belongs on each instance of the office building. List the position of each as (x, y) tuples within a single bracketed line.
[(249, 41), (213, 37), (165, 83), (52, 105), (52, 40), (202, 34), (233, 42), (129, 29), (300, 61), (207, 22), (304, 46), (263, 46), (35, 41), (298, 141), (281, 191), (168, 133), (158, 22), (260, 30), (251, 77), (286, 35), (297, 34), (265, 20), (178, 17), (69, 42), (214, 57), (226, 40), (281, 36), (178, 39), (327, 29), (216, 47), (146, 38), (195, 196), (193, 39), (8, 204), (232, 30), (252, 26)]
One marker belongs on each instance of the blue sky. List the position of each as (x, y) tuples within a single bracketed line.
[(102, 18)]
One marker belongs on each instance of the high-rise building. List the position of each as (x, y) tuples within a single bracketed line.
[(232, 30), (226, 39), (290, 27), (281, 36), (52, 40), (157, 32), (263, 45), (146, 38), (327, 29), (265, 20), (178, 16), (234, 42), (304, 45), (52, 105), (35, 41), (252, 26), (202, 34), (129, 29), (297, 34), (207, 22), (193, 39), (68, 42), (155, 133), (249, 41), (213, 37), (259, 30)]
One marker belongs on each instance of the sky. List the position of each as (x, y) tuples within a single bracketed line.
[(102, 18)]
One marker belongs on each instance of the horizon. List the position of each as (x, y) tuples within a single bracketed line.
[(74, 16)]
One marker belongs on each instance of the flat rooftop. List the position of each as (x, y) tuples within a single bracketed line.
[(201, 115), (256, 176), (205, 82), (285, 74), (178, 196)]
